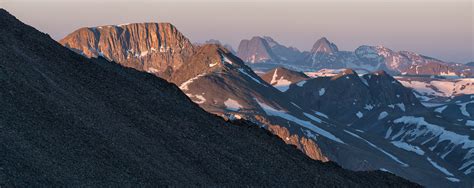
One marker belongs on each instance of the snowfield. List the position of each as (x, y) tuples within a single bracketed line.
[(431, 132)]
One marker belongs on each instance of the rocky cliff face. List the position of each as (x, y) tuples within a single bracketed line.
[(157, 48), (256, 50)]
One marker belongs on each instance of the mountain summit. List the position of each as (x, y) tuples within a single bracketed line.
[(256, 50), (323, 45), (158, 48)]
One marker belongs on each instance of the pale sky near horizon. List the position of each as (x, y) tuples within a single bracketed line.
[(441, 29)]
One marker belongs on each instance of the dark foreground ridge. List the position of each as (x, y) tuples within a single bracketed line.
[(68, 120)]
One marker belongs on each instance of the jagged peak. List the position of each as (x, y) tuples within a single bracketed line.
[(323, 45)]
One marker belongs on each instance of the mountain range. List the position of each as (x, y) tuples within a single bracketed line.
[(68, 120), (371, 117), (260, 55)]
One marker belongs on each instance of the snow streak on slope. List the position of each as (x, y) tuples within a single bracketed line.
[(184, 86), (376, 147), (273, 112), (440, 168), (408, 147), (250, 76)]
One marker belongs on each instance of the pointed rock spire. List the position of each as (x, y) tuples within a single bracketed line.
[(323, 45)]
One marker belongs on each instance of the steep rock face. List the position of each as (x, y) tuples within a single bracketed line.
[(256, 50), (158, 48), (69, 120)]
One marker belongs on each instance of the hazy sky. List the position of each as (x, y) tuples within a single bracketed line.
[(440, 29)]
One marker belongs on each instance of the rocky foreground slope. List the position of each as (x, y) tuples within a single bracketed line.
[(68, 120)]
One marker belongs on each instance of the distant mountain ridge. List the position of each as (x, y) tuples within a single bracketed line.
[(325, 55)]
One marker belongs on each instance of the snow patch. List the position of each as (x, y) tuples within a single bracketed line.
[(300, 84), (201, 99), (440, 109), (322, 91), (232, 105), (312, 117), (401, 106), (320, 114), (281, 84), (453, 179), (470, 123), (383, 115), (440, 168), (184, 85), (368, 107), (213, 64)]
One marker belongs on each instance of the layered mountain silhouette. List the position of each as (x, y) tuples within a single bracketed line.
[(69, 120), (372, 118), (325, 54)]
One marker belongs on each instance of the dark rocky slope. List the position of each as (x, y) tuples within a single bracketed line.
[(68, 120)]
